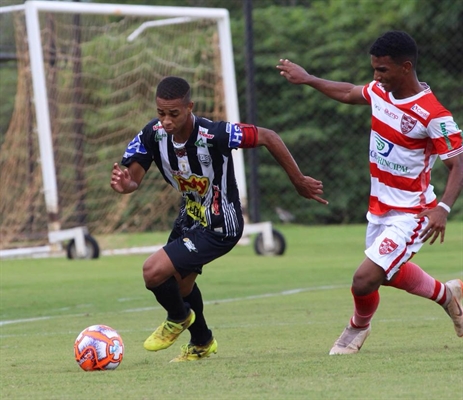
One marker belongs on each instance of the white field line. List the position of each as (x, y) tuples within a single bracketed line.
[(254, 297)]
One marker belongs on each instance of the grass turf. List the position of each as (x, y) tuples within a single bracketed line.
[(275, 319)]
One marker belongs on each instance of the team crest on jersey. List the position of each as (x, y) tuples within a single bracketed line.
[(205, 159), (387, 246), (407, 124)]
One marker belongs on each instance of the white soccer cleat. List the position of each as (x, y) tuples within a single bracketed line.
[(454, 308), (350, 341)]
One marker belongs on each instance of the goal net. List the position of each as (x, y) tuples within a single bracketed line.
[(86, 80)]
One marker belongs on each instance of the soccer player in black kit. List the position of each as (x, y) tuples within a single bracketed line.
[(194, 155)]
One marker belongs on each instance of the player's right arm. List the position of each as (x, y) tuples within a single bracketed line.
[(343, 92), (137, 158), (127, 180)]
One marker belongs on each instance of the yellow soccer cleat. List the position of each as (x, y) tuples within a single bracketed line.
[(191, 352), (167, 333)]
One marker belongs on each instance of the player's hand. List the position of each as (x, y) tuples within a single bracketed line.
[(437, 217), (292, 72), (120, 179), (310, 188)]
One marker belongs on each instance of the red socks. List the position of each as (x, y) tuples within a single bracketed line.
[(410, 278), (364, 308), (415, 281)]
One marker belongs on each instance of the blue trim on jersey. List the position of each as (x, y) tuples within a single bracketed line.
[(236, 137), (135, 146)]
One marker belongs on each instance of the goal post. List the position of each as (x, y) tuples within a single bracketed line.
[(92, 71), (32, 9)]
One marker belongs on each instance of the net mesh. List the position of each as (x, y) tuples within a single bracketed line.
[(101, 90)]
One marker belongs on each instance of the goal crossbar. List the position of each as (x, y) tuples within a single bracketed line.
[(32, 9), (161, 16)]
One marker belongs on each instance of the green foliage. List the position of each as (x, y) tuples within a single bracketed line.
[(331, 39), (275, 319)]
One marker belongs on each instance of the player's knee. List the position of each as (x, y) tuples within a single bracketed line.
[(151, 274), (363, 284)]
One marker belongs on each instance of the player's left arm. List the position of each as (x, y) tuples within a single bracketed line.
[(306, 186), (438, 215)]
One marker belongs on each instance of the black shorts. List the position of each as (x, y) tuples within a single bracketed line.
[(192, 249)]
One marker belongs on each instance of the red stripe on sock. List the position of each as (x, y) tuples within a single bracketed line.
[(414, 280)]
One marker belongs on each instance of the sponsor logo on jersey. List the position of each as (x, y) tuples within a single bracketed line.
[(202, 143), (215, 208), (157, 126), (228, 127), (380, 87), (205, 159), (135, 146), (174, 172), (193, 183), (407, 124), (389, 164), (444, 131), (189, 245), (390, 114), (383, 146), (196, 211), (235, 138), (159, 136), (203, 132), (420, 111), (377, 107), (383, 149), (387, 246)]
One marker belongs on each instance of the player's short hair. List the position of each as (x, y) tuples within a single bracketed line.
[(172, 88), (398, 45)]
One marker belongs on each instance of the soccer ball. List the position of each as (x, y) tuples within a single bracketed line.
[(98, 347)]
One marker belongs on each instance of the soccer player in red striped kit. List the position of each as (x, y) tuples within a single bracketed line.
[(410, 129)]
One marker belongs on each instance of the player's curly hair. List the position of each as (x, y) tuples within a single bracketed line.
[(398, 45), (172, 88)]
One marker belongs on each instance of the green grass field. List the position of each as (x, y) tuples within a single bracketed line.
[(275, 319)]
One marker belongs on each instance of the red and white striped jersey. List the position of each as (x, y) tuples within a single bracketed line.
[(407, 136)]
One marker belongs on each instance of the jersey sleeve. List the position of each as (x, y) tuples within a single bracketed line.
[(242, 136), (138, 150), (446, 136), (366, 93)]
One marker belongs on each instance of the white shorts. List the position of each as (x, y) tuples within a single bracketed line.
[(392, 239)]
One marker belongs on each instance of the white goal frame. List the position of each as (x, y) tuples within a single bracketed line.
[(173, 15)]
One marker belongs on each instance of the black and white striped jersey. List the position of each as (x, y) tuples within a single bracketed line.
[(201, 169)]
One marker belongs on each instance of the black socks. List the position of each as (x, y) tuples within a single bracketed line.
[(168, 295), (200, 333)]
